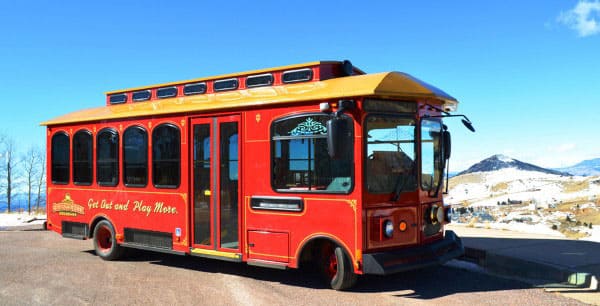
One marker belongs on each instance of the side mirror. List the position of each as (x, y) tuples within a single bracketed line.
[(468, 125), (337, 137), (447, 145)]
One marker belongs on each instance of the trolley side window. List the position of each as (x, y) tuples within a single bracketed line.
[(135, 157), (166, 156), (300, 161), (82, 157), (60, 158), (107, 157)]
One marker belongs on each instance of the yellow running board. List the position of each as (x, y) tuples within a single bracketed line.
[(216, 254)]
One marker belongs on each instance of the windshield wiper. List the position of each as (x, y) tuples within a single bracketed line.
[(399, 187)]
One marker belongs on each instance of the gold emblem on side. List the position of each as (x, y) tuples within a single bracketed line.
[(67, 207), (257, 118)]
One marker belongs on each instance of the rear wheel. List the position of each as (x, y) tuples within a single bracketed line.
[(337, 268), (105, 244)]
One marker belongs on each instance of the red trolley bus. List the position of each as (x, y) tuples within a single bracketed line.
[(280, 167)]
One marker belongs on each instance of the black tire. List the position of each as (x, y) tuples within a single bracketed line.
[(337, 268), (105, 244)]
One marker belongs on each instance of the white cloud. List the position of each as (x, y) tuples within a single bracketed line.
[(584, 18)]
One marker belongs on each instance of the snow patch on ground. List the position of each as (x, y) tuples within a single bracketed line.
[(8, 220), (539, 228), (595, 236), (526, 201), (490, 188)]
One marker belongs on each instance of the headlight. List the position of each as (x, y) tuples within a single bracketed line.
[(388, 228), (440, 214), (436, 214)]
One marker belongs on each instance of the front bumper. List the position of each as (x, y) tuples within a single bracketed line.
[(435, 253)]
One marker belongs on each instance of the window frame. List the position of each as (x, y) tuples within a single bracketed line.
[(91, 157), (52, 154), (235, 82), (117, 162), (257, 76), (159, 96), (388, 106), (124, 100), (186, 86), (124, 159), (416, 134), (272, 153), (147, 91), (309, 78), (161, 186), (431, 191)]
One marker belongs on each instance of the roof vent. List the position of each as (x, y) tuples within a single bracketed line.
[(194, 89), (143, 95), (118, 98), (227, 84), (259, 80), (166, 92), (300, 75)]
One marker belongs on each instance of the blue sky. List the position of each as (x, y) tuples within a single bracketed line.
[(527, 73)]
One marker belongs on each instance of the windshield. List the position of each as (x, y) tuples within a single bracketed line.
[(431, 156), (390, 154)]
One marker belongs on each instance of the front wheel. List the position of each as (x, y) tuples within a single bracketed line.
[(337, 268), (105, 244)]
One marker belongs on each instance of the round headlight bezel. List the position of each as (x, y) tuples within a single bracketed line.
[(448, 215)]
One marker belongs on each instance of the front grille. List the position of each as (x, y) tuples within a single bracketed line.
[(432, 229)]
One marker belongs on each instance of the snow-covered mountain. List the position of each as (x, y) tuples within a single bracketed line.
[(491, 187), (588, 167), (504, 193), (499, 178), (498, 162)]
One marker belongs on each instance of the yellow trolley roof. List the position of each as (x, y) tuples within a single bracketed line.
[(387, 84)]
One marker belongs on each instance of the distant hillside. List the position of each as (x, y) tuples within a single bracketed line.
[(498, 162), (588, 167), (488, 188)]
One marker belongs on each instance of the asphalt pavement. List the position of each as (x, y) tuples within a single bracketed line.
[(42, 268)]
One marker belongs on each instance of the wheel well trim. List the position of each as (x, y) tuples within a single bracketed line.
[(96, 219), (331, 238)]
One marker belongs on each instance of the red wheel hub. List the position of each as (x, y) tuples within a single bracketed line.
[(332, 266), (104, 238)]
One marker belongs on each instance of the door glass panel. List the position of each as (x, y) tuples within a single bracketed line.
[(202, 191), (229, 185)]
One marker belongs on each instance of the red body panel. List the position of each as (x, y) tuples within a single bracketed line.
[(351, 220), (147, 208)]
